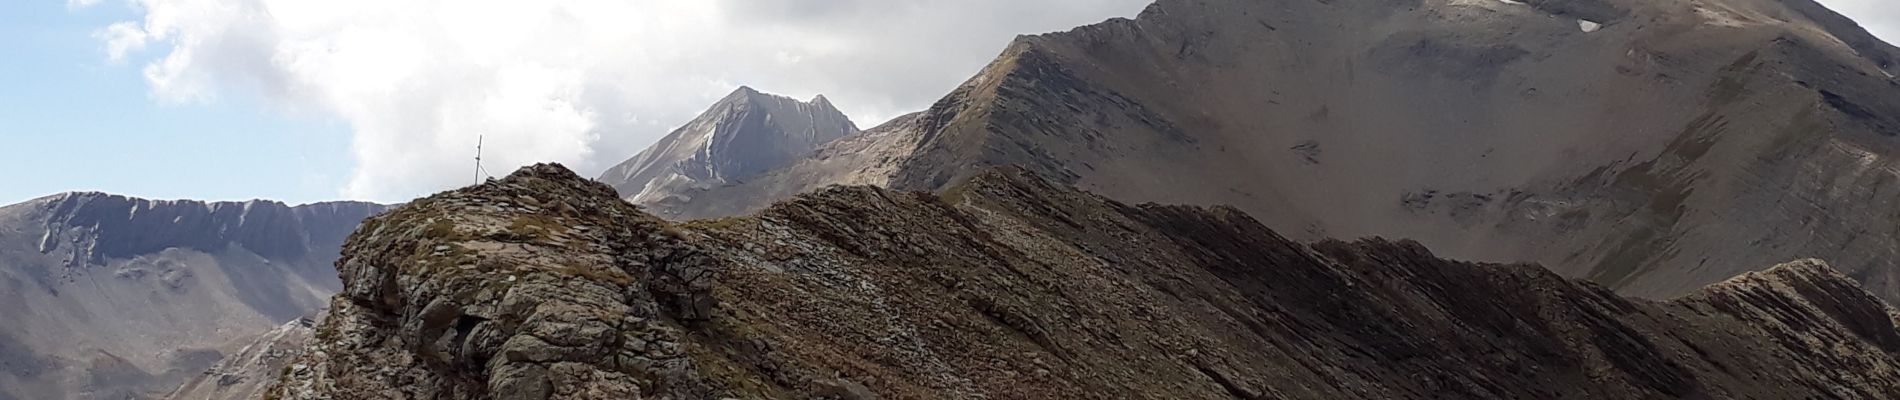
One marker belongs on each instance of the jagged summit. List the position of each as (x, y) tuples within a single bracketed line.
[(544, 285), (744, 134)]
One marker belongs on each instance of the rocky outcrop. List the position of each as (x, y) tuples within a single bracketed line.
[(544, 286), (741, 136), (112, 297), (1634, 143)]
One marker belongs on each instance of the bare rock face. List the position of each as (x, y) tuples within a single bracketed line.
[(109, 296), (544, 285), (741, 136), (1634, 143), (541, 285)]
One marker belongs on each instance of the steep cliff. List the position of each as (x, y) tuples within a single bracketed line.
[(544, 285)]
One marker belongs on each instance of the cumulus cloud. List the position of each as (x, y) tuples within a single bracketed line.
[(121, 38), (583, 82)]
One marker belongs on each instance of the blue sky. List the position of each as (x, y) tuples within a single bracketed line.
[(72, 121), (309, 100), (313, 100)]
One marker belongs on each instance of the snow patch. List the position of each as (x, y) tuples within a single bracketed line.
[(48, 241), (1588, 26), (1512, 2)]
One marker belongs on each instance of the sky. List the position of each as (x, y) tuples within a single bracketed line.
[(312, 100)]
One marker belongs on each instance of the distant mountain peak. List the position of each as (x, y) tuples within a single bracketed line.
[(744, 134), (746, 95)]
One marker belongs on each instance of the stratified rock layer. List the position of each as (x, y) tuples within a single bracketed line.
[(545, 286)]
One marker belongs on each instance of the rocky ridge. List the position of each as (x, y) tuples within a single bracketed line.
[(544, 285)]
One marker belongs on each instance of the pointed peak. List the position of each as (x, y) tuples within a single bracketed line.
[(743, 93), (747, 94)]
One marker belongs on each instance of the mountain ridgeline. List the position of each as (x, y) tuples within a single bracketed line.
[(1662, 198), (1655, 147), (545, 285), (110, 297), (102, 227)]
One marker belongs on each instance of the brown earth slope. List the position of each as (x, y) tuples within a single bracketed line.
[(545, 285), (1636, 143)]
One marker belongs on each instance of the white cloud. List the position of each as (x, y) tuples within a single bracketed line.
[(121, 38), (582, 82), (80, 3)]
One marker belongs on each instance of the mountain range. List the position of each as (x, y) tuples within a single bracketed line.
[(1213, 199), (110, 297), (1654, 147)]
